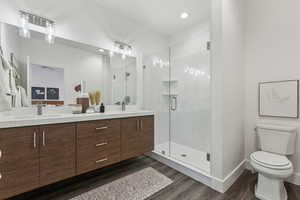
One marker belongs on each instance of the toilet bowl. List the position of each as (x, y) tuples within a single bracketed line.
[(271, 162), (272, 170)]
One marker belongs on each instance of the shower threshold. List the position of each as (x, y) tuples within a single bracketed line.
[(192, 157)]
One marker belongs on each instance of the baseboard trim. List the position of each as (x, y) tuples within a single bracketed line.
[(294, 179), (220, 185)]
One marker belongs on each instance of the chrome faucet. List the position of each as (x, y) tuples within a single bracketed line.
[(39, 108), (123, 106)]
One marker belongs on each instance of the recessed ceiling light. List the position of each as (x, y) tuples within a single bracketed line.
[(101, 50), (184, 15)]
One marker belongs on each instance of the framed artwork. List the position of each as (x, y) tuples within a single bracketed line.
[(279, 99), (52, 93), (38, 93)]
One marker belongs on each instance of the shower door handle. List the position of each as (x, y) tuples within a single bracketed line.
[(173, 103)]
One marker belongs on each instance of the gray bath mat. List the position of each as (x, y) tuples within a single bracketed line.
[(137, 186)]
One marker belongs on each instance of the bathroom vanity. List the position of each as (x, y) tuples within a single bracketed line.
[(32, 156)]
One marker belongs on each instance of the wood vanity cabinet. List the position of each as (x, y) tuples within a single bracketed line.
[(31, 157), (19, 160), (137, 136)]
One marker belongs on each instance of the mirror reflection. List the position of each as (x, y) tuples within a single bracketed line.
[(33, 71)]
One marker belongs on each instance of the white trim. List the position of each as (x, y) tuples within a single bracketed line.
[(294, 179), (220, 185)]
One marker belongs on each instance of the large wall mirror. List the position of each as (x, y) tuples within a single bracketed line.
[(50, 72)]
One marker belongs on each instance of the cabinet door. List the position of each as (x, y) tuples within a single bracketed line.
[(130, 138), (57, 153), (19, 161), (147, 133)]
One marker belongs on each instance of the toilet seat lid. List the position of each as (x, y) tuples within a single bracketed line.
[(270, 159)]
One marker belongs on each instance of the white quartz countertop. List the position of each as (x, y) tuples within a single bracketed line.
[(10, 121)]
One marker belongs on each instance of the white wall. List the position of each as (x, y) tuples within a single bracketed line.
[(272, 53), (227, 86)]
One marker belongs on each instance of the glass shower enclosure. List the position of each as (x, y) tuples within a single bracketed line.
[(177, 88)]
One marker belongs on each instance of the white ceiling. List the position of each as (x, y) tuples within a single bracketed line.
[(162, 16), (120, 20)]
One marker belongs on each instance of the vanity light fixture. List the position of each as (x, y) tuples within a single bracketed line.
[(123, 48), (28, 18), (184, 15)]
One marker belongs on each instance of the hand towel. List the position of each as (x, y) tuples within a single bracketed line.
[(24, 98), (4, 99)]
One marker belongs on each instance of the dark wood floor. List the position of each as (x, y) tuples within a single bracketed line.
[(183, 187)]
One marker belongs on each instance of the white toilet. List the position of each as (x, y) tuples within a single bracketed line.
[(271, 162)]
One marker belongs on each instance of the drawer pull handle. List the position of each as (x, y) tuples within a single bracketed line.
[(0, 176), (0, 153), (101, 144), (34, 140), (102, 128), (44, 138), (102, 160)]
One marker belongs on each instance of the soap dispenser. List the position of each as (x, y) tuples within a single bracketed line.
[(102, 108)]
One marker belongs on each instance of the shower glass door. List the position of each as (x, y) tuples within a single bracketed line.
[(177, 88), (189, 94)]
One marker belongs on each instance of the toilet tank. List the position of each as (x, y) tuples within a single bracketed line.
[(276, 138)]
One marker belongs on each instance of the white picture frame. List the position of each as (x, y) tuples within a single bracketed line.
[(279, 99)]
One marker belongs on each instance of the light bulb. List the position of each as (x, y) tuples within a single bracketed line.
[(49, 37), (24, 30), (184, 15), (111, 53)]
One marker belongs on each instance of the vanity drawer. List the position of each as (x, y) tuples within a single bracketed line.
[(100, 128), (90, 157), (98, 144), (107, 159)]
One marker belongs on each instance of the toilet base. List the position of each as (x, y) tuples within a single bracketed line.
[(270, 188)]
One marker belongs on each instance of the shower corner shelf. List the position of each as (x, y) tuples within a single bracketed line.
[(170, 94), (170, 81)]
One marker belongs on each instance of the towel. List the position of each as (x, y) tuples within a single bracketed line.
[(5, 63), (4, 99), (25, 101)]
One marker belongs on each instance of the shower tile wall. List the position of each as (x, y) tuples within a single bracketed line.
[(154, 74)]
